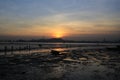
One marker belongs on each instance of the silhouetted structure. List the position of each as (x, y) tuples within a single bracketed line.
[(53, 52)]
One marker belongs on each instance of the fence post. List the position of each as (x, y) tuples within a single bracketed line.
[(5, 49), (29, 47), (12, 50), (19, 49)]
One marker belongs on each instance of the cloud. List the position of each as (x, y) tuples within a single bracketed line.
[(108, 25), (70, 16)]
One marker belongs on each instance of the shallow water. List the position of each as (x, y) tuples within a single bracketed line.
[(33, 47)]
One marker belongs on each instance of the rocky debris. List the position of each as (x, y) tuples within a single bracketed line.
[(37, 66), (54, 52), (117, 48)]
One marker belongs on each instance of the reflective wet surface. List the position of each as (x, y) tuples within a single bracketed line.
[(74, 63)]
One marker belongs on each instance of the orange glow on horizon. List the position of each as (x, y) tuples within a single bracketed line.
[(58, 34)]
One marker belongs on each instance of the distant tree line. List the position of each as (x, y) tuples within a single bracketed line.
[(59, 40)]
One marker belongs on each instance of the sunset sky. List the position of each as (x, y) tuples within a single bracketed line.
[(68, 19)]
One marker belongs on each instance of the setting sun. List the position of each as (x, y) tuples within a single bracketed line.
[(58, 34)]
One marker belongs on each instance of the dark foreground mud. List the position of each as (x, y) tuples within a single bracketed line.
[(74, 65)]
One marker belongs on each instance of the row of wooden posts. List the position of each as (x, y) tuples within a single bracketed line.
[(27, 48), (12, 49)]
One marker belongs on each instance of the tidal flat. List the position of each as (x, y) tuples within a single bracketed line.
[(77, 64)]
